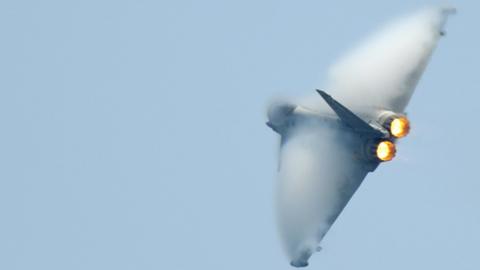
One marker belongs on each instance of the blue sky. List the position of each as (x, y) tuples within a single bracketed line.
[(134, 138)]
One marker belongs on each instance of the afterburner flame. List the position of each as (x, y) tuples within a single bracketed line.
[(386, 150), (400, 127)]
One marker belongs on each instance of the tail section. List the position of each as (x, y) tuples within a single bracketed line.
[(349, 118)]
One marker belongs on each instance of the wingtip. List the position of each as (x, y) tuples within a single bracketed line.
[(449, 10), (299, 264)]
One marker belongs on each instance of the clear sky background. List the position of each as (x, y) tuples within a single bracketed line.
[(133, 137)]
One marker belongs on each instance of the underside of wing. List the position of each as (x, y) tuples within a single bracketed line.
[(384, 70), (319, 173)]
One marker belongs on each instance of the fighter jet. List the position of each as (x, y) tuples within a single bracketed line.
[(329, 144)]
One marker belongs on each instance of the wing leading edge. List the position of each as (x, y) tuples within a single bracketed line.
[(384, 70)]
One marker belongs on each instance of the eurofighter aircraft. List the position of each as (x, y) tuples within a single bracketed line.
[(330, 143)]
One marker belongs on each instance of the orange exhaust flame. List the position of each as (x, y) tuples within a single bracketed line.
[(400, 127), (386, 150)]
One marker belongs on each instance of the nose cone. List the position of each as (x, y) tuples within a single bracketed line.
[(279, 111)]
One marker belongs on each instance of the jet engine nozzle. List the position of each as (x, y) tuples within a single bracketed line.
[(380, 150), (386, 150), (400, 127), (397, 125)]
